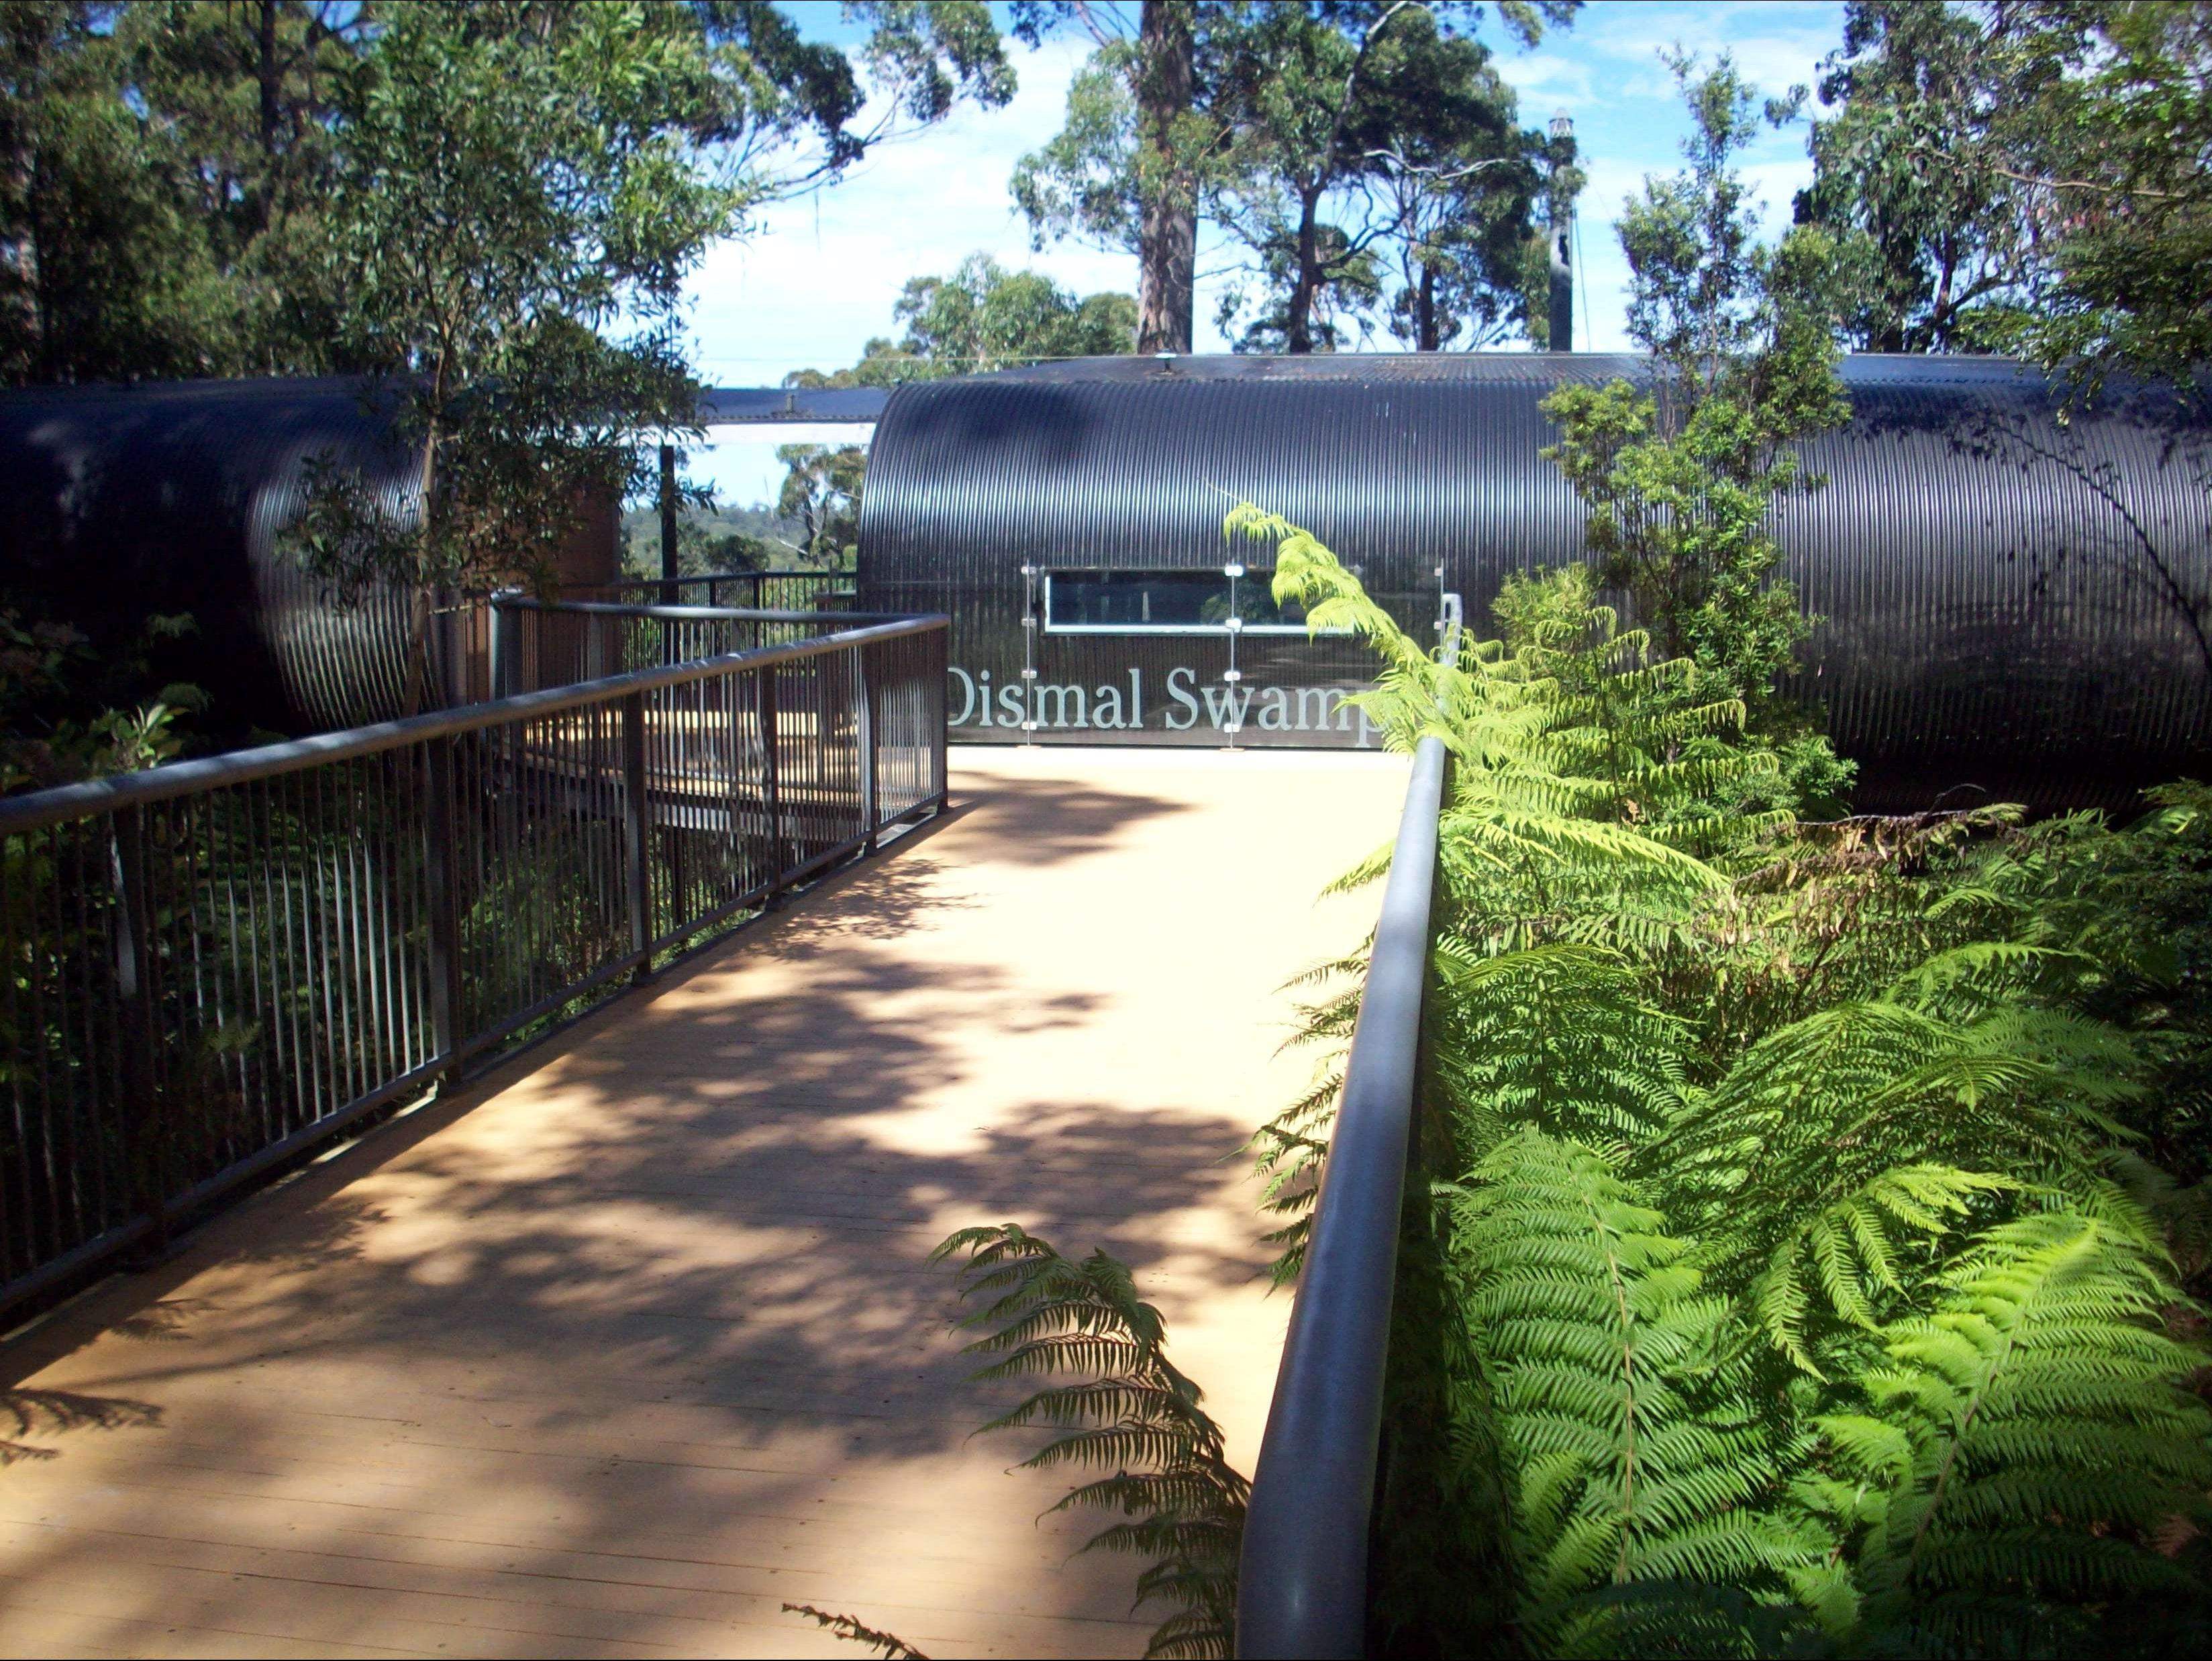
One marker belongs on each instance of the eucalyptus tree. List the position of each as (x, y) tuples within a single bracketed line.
[(1129, 168), (1327, 138), (1926, 225), (2104, 132), (1337, 110)]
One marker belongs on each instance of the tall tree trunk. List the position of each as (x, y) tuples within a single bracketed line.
[(1298, 320), (1167, 232), (266, 72), (1424, 311)]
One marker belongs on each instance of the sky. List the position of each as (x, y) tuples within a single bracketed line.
[(812, 280)]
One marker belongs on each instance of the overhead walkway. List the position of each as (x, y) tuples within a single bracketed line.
[(632, 1341)]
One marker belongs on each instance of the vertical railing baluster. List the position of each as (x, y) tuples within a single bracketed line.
[(771, 781), (635, 826), (134, 989), (443, 867), (864, 736)]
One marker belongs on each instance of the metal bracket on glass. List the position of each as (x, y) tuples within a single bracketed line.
[(1029, 654)]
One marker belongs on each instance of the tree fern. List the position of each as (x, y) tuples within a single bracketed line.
[(1636, 1463), (1807, 1252), (1841, 1144), (1129, 1412), (2023, 1441)]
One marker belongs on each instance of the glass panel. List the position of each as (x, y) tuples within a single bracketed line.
[(1185, 599)]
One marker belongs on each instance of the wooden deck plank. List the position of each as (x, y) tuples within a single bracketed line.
[(632, 1341)]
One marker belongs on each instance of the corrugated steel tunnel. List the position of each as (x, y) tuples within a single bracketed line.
[(123, 502), (2010, 602)]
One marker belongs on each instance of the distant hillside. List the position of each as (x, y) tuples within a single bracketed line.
[(729, 539)]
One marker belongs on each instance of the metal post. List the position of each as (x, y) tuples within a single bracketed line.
[(771, 789), (503, 642), (863, 716), (1031, 702), (1233, 677), (444, 869), (669, 563), (1561, 238), (134, 988), (635, 808)]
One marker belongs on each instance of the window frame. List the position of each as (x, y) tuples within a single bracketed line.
[(1250, 573)]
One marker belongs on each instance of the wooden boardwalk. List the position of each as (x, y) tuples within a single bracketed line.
[(631, 1342)]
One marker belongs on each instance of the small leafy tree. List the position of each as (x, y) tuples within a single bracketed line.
[(1682, 477)]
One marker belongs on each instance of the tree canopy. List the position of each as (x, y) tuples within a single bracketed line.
[(984, 317), (1365, 160)]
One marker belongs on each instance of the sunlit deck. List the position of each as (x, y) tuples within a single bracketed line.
[(632, 1341)]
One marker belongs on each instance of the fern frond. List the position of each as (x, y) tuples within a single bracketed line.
[(1603, 1349), (2021, 1441), (1134, 1416), (887, 1645)]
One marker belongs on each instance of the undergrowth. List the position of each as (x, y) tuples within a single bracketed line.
[(1821, 1204)]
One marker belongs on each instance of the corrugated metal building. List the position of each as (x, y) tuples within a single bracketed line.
[(2007, 600), (119, 503)]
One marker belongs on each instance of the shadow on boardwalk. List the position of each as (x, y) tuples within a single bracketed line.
[(633, 1340)]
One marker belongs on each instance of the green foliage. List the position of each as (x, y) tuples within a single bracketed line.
[(1923, 225), (2016, 1447), (1636, 1464), (2104, 109), (1812, 1276), (1367, 158), (1358, 132), (984, 317), (1129, 1412), (533, 340), (821, 495), (1682, 479), (55, 726)]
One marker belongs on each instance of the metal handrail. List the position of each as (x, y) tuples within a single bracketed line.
[(1302, 1575), (40, 808), (218, 963), (827, 580), (741, 613)]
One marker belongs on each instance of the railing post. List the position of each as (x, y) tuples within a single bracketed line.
[(443, 868), (134, 988), (864, 734), (939, 655), (635, 839), (504, 640), (771, 789)]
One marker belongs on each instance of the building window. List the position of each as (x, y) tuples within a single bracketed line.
[(1078, 601)]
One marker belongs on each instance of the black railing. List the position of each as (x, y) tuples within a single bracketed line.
[(1303, 1578), (213, 966), (535, 644), (779, 591)]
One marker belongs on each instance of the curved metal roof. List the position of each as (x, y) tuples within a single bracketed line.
[(121, 502), (2006, 600)]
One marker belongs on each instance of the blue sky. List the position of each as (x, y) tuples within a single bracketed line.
[(815, 278)]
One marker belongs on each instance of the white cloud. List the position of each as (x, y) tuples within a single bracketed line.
[(818, 277)]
